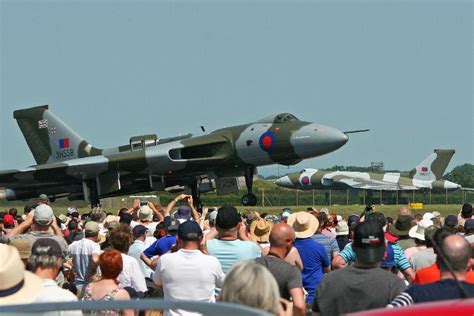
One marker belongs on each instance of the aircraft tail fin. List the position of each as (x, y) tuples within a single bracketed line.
[(49, 138), (433, 167)]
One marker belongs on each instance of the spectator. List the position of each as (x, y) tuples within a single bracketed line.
[(363, 285), (188, 274), (455, 253), (239, 287), (469, 230), (402, 227), (107, 288), (8, 223), (342, 234), (285, 214), (145, 218), (75, 232), (348, 255), (260, 233), (423, 257), (131, 275), (451, 221), (288, 277), (227, 247), (432, 273), (465, 213), (329, 243), (85, 255), (43, 199), (138, 246), (40, 221), (17, 285), (313, 254), (46, 261), (161, 246)]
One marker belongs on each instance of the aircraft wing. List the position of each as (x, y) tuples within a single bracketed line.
[(370, 184)]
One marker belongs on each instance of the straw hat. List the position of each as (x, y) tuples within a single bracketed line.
[(304, 224), (260, 230), (23, 286)]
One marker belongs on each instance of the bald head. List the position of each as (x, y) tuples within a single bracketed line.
[(281, 234), (457, 251), (404, 211)]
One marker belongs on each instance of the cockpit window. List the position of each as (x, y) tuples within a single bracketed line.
[(279, 118)]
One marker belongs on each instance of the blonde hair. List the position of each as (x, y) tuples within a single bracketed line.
[(251, 284)]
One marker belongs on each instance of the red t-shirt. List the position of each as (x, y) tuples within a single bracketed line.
[(432, 274)]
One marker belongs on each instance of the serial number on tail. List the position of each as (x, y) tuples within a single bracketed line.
[(61, 154)]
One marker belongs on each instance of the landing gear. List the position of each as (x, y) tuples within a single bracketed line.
[(196, 194), (249, 199)]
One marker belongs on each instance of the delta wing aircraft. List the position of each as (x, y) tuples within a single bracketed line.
[(426, 175), (68, 166)]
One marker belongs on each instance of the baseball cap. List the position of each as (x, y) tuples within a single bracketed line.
[(469, 224), (227, 217), (8, 220), (23, 246), (189, 231), (173, 225), (451, 221), (46, 247), (43, 215), (352, 219), (139, 230), (43, 198), (91, 227), (71, 210), (369, 242)]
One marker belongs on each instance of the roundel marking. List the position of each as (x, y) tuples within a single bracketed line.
[(305, 180), (267, 141)]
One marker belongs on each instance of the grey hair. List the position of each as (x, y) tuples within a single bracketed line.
[(45, 261), (240, 287)]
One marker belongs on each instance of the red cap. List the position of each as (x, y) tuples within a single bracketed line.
[(8, 220)]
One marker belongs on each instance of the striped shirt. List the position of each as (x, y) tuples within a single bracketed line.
[(446, 289), (329, 243), (401, 261)]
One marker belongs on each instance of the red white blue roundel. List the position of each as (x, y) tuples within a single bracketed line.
[(305, 181), (267, 141)]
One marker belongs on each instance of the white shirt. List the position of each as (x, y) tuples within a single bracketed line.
[(188, 275), (150, 225), (51, 292), (135, 251), (81, 252), (132, 274)]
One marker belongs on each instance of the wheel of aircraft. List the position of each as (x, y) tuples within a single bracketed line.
[(249, 200)]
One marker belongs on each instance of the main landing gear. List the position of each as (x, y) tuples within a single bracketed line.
[(249, 199)]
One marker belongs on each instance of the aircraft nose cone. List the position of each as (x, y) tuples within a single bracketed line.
[(284, 182)]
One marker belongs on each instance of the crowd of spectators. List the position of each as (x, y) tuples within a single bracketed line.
[(290, 263)]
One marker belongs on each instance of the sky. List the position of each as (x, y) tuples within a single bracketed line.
[(115, 69)]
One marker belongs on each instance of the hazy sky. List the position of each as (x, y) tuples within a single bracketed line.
[(114, 69)]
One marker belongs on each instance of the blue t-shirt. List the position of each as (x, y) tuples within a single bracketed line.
[(229, 252), (161, 246), (314, 259)]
